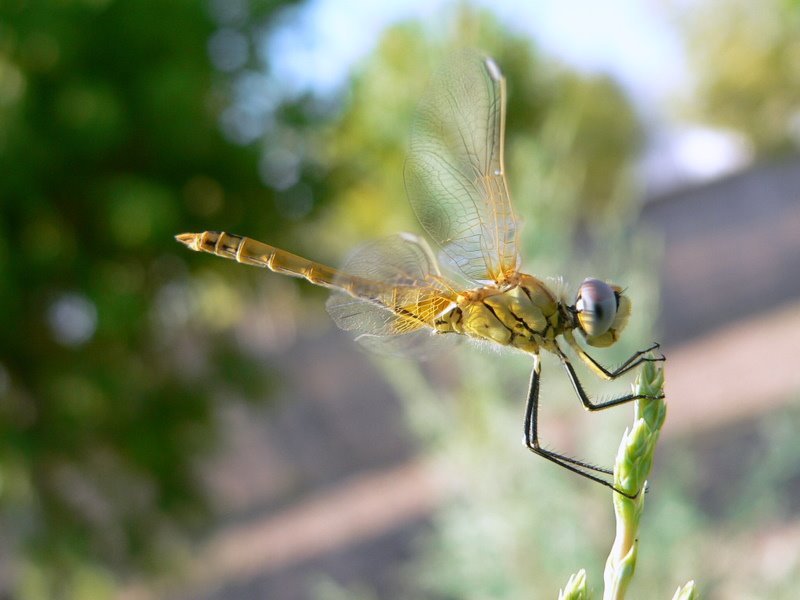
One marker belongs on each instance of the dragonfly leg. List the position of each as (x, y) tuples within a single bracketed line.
[(579, 467), (587, 402), (633, 361)]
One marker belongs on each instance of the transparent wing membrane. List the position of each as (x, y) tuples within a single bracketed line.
[(395, 316), (455, 176)]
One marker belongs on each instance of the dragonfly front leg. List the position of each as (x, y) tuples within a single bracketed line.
[(579, 467), (633, 361), (587, 402)]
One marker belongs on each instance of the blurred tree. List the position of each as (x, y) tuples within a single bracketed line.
[(746, 59), (109, 145)]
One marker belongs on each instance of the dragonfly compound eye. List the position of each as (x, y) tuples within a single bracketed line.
[(597, 307)]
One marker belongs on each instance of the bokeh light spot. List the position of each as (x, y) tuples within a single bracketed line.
[(73, 319), (12, 83), (280, 168), (228, 49), (296, 202)]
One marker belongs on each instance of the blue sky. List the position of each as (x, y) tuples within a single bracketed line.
[(633, 40), (630, 38)]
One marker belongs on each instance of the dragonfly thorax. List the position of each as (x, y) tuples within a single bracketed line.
[(526, 315)]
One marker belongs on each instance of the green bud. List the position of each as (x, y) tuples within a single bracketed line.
[(575, 588)]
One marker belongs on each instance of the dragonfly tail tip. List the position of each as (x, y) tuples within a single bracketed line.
[(188, 239)]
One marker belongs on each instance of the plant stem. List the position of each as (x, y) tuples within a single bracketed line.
[(634, 460)]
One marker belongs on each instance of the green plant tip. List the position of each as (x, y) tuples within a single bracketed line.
[(575, 588), (687, 592)]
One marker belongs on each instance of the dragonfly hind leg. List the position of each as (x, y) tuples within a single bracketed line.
[(579, 467)]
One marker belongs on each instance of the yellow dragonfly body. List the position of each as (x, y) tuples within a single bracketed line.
[(393, 294)]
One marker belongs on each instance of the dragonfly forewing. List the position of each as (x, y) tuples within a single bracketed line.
[(455, 173)]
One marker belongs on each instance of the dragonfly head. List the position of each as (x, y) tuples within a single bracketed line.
[(602, 310)]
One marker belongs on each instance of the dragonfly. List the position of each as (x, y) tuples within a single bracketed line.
[(397, 296)]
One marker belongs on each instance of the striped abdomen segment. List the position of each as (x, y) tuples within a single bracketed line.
[(252, 252)]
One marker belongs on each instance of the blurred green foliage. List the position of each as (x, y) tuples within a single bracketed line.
[(747, 72), (110, 144), (113, 357)]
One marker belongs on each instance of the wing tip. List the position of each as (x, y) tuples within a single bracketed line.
[(493, 69)]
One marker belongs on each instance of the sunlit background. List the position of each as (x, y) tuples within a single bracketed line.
[(173, 425)]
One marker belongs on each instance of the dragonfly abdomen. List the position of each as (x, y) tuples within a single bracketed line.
[(252, 252)]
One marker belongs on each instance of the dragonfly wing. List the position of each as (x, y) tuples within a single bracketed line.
[(455, 176), (393, 308)]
